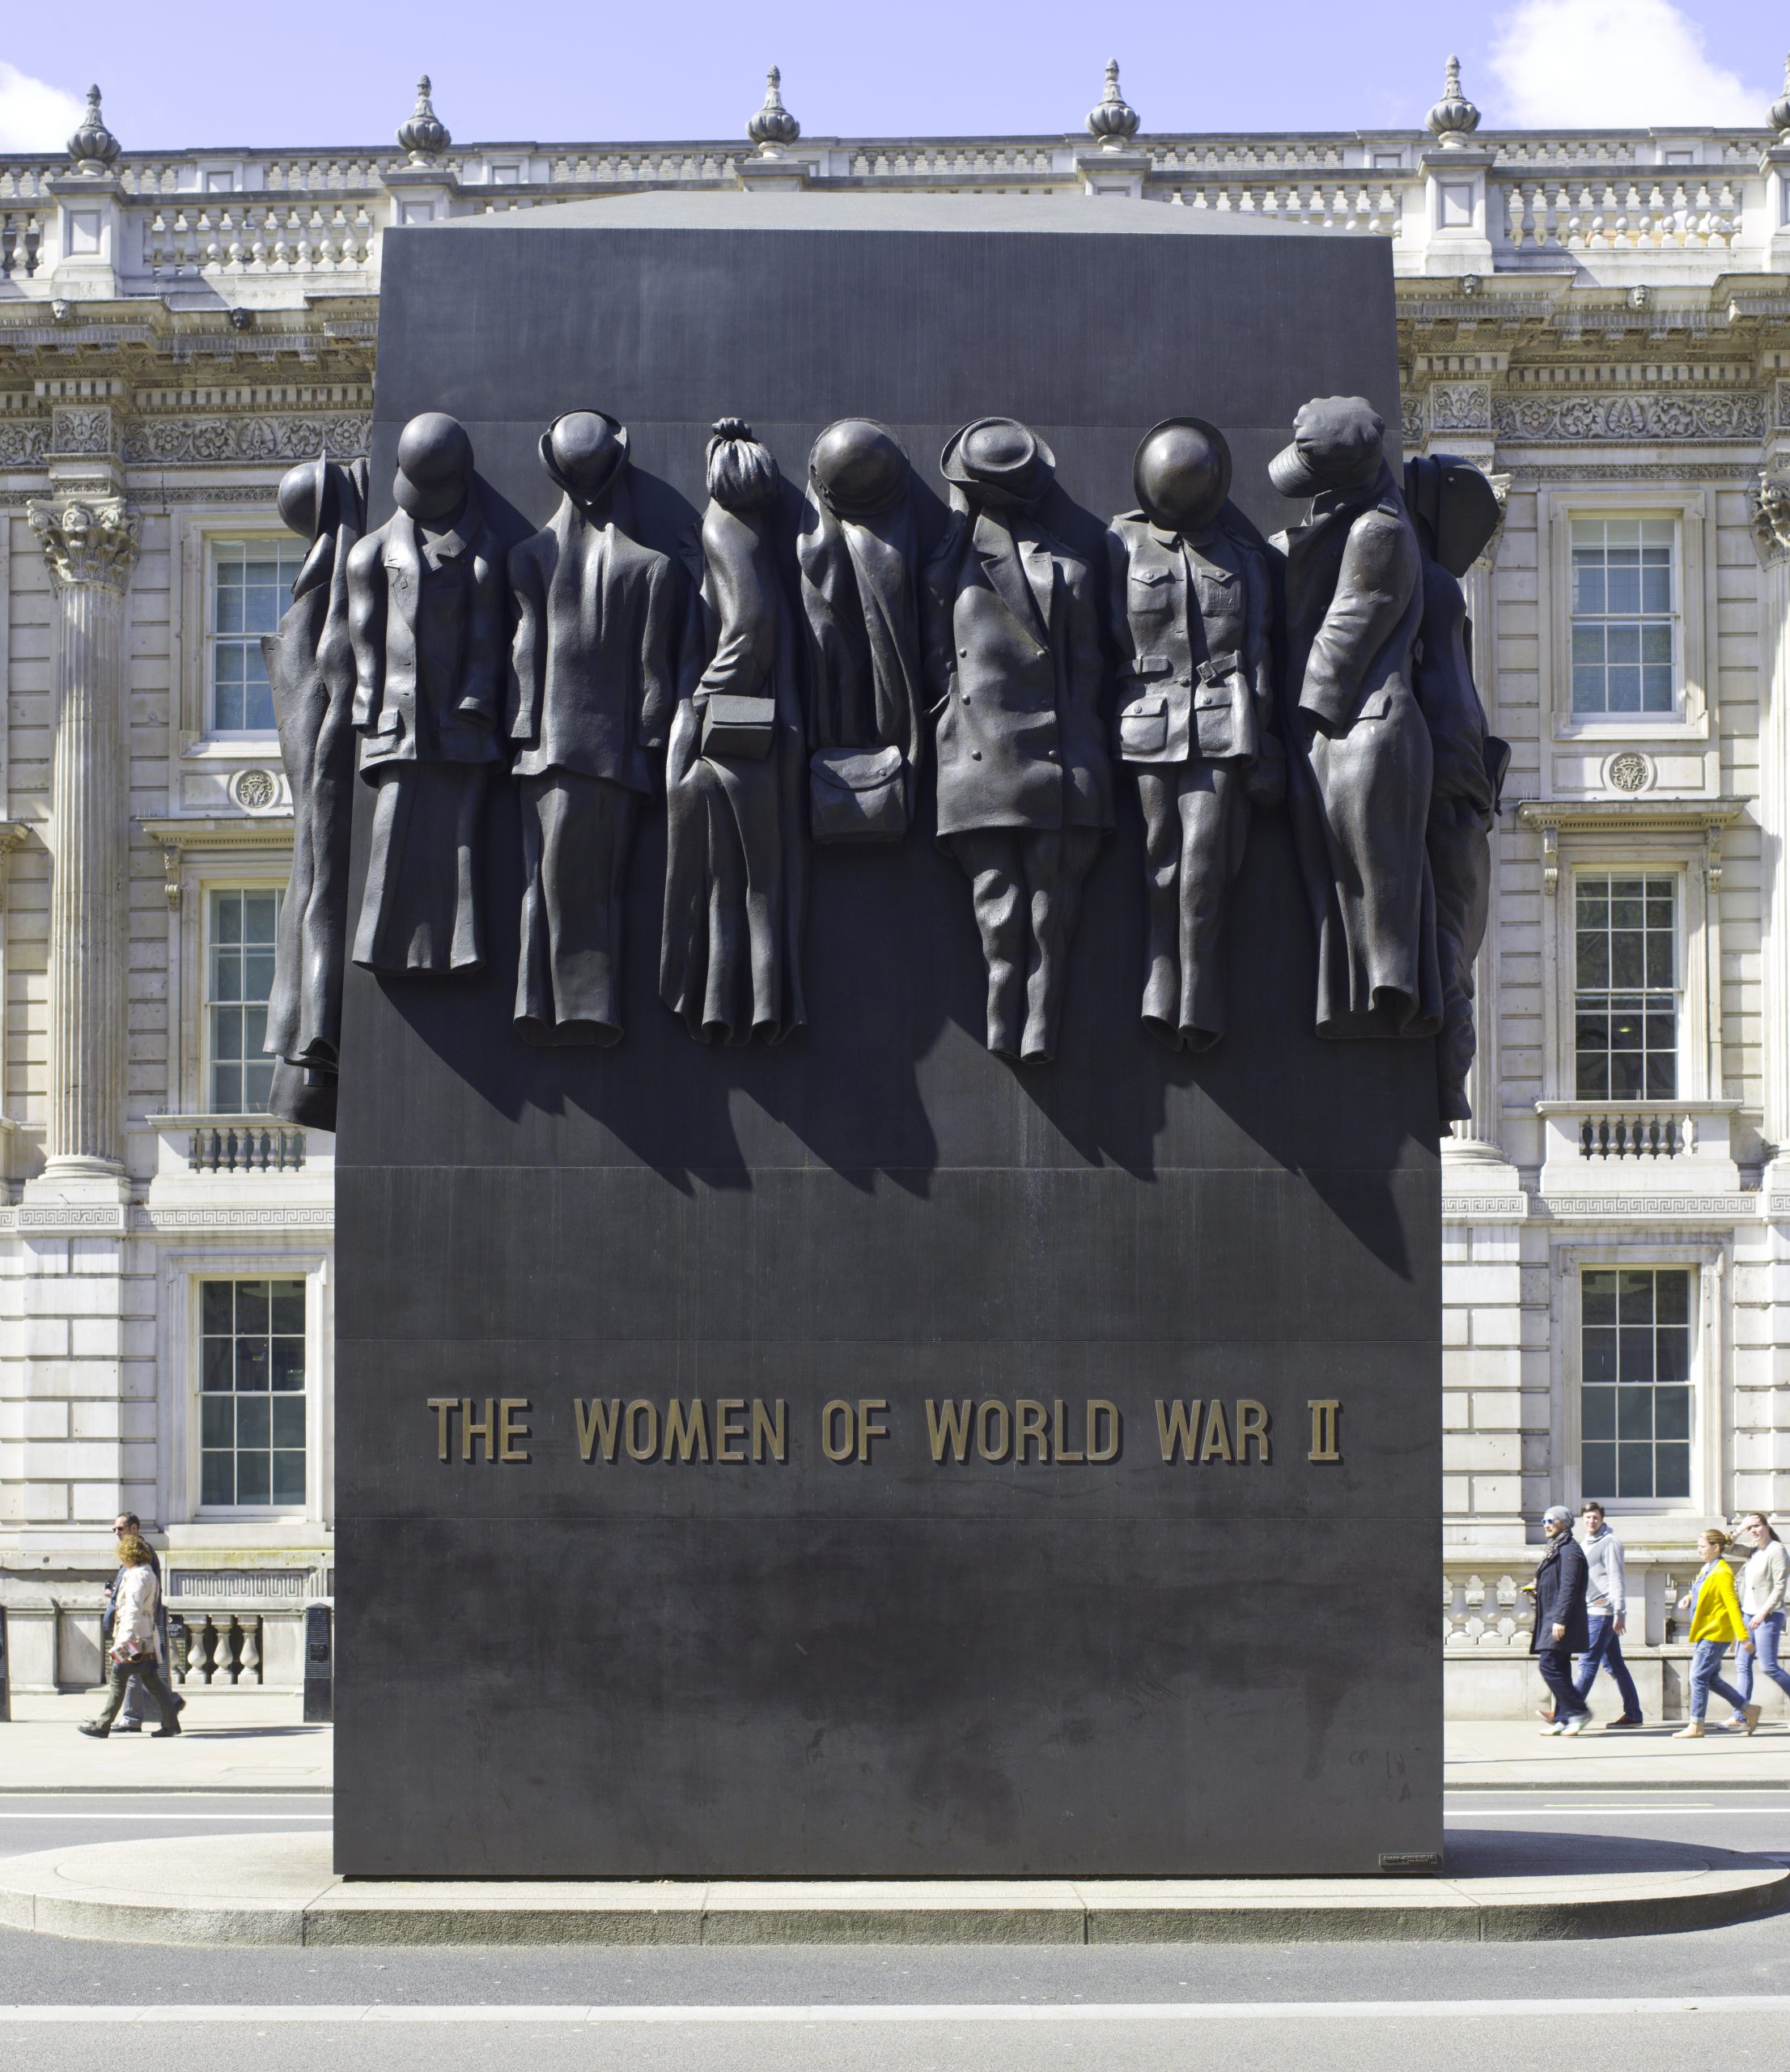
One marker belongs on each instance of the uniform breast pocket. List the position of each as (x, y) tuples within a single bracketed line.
[(1143, 727), (1151, 591)]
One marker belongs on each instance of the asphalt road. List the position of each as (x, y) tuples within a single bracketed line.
[(1673, 2003)]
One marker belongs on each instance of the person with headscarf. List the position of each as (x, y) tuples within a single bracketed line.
[(1360, 759), (310, 668), (426, 608), (735, 770), (1196, 719), (590, 699), (1014, 667), (857, 552), (1455, 510)]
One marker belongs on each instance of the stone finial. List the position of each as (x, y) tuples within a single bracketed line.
[(425, 136), (772, 126), (1454, 118), (1778, 115), (93, 147), (1114, 123)]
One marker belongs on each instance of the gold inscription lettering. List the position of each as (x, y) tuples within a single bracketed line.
[(867, 1427), (768, 1432), (1216, 1444), (642, 1430), (1061, 1451), (1029, 1424), (510, 1430), (1177, 1427), (727, 1410), (1252, 1423), (1099, 1450), (831, 1414), (947, 1425), (686, 1432), (599, 1423), (1326, 1432), (472, 1428), (994, 1431), (444, 1407)]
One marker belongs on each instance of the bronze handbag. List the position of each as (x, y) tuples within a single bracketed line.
[(858, 794), (738, 728)]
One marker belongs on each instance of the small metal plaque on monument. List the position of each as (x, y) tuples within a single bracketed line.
[(889, 1215)]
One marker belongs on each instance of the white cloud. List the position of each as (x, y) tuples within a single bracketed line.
[(34, 115), (1580, 64)]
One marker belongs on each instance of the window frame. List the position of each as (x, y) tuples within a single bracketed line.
[(1692, 1278), (286, 544), (179, 1373), (1709, 1262), (210, 888), (1672, 617), (198, 1392), (1609, 874), (1691, 724)]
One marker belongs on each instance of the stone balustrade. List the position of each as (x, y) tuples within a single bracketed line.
[(252, 1148), (1590, 1145)]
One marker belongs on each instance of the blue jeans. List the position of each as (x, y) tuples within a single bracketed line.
[(1767, 1635), (1606, 1652), (1706, 1676)]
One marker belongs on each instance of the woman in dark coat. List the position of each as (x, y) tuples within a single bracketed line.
[(1563, 1627), (736, 771)]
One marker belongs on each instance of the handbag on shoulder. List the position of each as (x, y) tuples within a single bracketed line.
[(738, 728), (858, 794)]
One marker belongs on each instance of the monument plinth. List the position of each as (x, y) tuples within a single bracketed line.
[(865, 1454)]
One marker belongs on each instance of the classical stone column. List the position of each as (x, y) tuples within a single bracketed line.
[(1771, 529), (90, 546)]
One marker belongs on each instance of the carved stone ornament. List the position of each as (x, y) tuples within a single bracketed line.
[(1771, 517), (86, 542), (1669, 417), (424, 135), (1779, 114), (93, 147), (255, 790), (1454, 118), (1629, 771), (773, 129), (1113, 124)]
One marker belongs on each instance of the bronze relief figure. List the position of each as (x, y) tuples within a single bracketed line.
[(426, 616), (590, 701), (736, 769), (1015, 672), (1455, 510), (1196, 718), (857, 551), (1359, 755), (311, 668)]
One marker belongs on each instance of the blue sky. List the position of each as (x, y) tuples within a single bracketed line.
[(342, 71)]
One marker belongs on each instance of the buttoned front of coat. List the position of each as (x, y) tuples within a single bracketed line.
[(1014, 669), (1191, 622)]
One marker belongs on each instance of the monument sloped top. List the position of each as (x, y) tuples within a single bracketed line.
[(1103, 215)]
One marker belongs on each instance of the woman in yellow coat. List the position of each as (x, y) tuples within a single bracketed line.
[(1715, 1624)]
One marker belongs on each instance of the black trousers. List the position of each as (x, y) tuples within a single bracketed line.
[(150, 1672), (1555, 1664)]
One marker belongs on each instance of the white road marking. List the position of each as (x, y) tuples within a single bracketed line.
[(322, 1819), (899, 2012)]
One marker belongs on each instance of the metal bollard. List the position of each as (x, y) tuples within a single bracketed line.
[(5, 1685), (319, 1664)]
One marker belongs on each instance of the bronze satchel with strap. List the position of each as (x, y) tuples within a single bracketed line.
[(858, 794), (737, 728)]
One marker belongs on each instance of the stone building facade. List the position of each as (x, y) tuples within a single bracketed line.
[(1602, 321)]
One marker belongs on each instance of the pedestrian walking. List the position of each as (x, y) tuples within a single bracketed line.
[(1715, 1622), (1562, 1628), (127, 1524), (1764, 1582), (135, 1648), (1606, 1609)]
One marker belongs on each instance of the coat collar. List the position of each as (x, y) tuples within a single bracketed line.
[(1018, 572)]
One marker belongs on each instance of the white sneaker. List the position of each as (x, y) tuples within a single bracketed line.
[(1575, 1725), (1548, 1733)]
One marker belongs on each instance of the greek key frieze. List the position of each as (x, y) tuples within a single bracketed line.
[(1645, 417)]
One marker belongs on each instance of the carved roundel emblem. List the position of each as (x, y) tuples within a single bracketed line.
[(255, 790), (1629, 771)]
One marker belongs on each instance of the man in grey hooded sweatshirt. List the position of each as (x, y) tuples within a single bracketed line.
[(1606, 1606)]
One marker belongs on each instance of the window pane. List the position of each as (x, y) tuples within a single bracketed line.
[(289, 1478), (1599, 1296), (1672, 1297), (1672, 1470), (251, 1478), (288, 1416), (1633, 1471), (1600, 1413), (251, 1363), (1600, 1354), (1671, 1413), (1598, 1471), (287, 1363), (252, 1427), (217, 1478), (217, 1366), (288, 1306), (214, 1421), (216, 1310)]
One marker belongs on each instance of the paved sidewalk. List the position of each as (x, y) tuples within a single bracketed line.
[(254, 1741), (230, 1741), (246, 1891)]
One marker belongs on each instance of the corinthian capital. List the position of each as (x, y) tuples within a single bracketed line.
[(1771, 517), (93, 542)]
